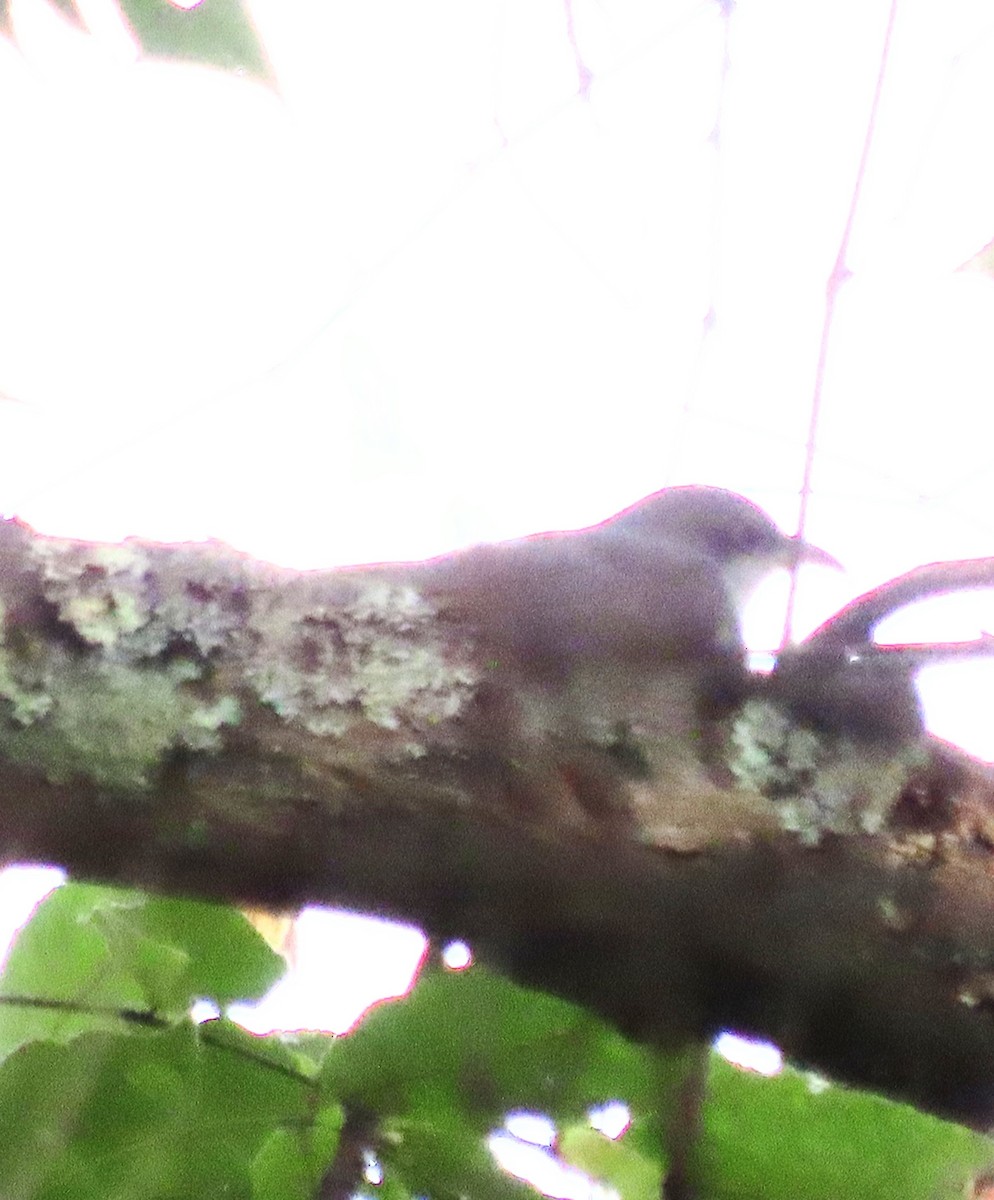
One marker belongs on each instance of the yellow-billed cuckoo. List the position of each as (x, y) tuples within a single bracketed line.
[(658, 587), (622, 639)]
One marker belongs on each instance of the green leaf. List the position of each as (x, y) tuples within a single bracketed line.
[(217, 33), (447, 1160), (633, 1175), (323, 1141), (290, 1164), (187, 950), (444, 1065), (279, 1170), (269, 1053), (783, 1139), (112, 949), (160, 1116), (62, 955), (68, 10), (473, 1043)]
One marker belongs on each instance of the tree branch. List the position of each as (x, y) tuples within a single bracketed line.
[(186, 719)]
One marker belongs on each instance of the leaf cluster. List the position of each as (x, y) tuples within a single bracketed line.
[(108, 1089)]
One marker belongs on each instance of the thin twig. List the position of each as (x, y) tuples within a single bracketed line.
[(584, 73), (346, 1173), (149, 1019), (839, 274)]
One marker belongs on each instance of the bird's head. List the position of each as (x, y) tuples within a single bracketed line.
[(726, 527)]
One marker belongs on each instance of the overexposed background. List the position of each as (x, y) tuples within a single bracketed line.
[(482, 269)]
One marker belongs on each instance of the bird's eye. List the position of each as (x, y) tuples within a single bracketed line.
[(727, 542)]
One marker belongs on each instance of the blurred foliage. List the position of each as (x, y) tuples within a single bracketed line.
[(112, 1091), (216, 33)]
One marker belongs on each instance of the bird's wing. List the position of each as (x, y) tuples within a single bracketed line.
[(552, 601)]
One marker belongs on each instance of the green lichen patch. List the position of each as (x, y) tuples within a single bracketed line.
[(96, 589), (375, 657), (139, 602), (820, 782), (103, 721)]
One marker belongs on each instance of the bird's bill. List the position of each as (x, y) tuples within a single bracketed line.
[(805, 552)]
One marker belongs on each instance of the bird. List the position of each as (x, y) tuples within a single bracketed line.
[(660, 585), (609, 652)]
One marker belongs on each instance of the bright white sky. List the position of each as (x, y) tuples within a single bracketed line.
[(430, 294)]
